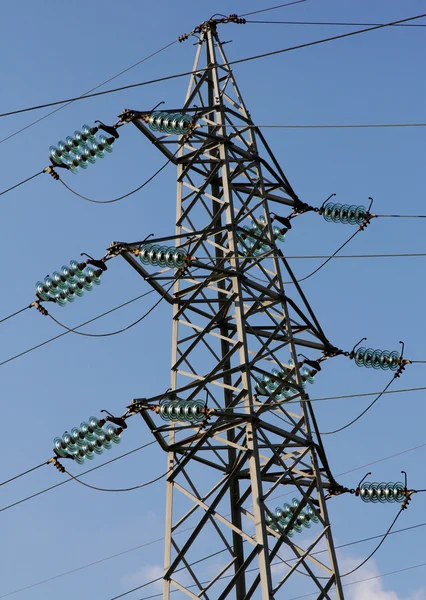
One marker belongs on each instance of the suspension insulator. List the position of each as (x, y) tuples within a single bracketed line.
[(81, 150), (343, 213), (381, 492), (192, 411), (378, 359), (163, 122), (162, 256), (70, 282), (284, 514), (87, 440), (267, 384), (256, 229)]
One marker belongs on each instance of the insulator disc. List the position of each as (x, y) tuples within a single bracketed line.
[(278, 234), (58, 446), (152, 121), (394, 360), (373, 492), (310, 512), (78, 457), (162, 256), (111, 431), (298, 528), (98, 446), (41, 291), (360, 213), (352, 215), (376, 359), (328, 212), (80, 139), (344, 212), (56, 155), (385, 360), (91, 273), (105, 144), (164, 410), (364, 491), (335, 215), (368, 357), (78, 436), (179, 258), (389, 492), (359, 357), (106, 442), (185, 124), (65, 149), (278, 512), (295, 503), (169, 256), (382, 492), (398, 488), (90, 154), (153, 255), (88, 432), (87, 131)]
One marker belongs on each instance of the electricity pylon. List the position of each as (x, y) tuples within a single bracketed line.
[(237, 334)]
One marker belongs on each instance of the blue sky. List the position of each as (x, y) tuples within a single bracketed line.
[(53, 52)]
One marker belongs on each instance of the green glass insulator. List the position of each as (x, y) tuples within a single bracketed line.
[(96, 425), (198, 409), (179, 258), (385, 360), (328, 212), (72, 144), (65, 149), (81, 139), (381, 492), (73, 165), (162, 256), (374, 497), (90, 132), (88, 451), (180, 410), (78, 457), (376, 359), (42, 291), (61, 300), (171, 409), (90, 155), (106, 143), (368, 357), (82, 159), (167, 120), (143, 254), (313, 517), (174, 124), (352, 215), (60, 447), (169, 257), (360, 213), (364, 493), (86, 282), (388, 492), (92, 275), (164, 410), (60, 280), (184, 124), (78, 436), (344, 214), (287, 512), (394, 360), (105, 440), (295, 503), (111, 430), (359, 357), (76, 288), (279, 512), (98, 447), (153, 255), (152, 121), (279, 234), (88, 432), (335, 213), (308, 374), (188, 412), (298, 528), (398, 490), (56, 155)]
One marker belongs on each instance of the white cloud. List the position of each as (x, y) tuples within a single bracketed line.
[(143, 575), (374, 588)]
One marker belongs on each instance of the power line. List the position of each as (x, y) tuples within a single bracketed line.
[(337, 126), (255, 12), (118, 331), (186, 73), (52, 487), (120, 197), (18, 312), (337, 23), (78, 327), (21, 183), (23, 473), (129, 489), (88, 92)]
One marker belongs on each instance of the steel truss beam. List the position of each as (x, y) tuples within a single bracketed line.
[(233, 322)]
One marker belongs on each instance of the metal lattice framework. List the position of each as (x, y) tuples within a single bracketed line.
[(233, 322)]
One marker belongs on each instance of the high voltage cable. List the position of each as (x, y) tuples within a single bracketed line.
[(78, 327), (198, 71), (337, 126), (88, 92), (130, 489), (118, 554), (52, 487), (23, 473), (337, 23), (21, 183), (118, 331), (255, 12), (120, 197)]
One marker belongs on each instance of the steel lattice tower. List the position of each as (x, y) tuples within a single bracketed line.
[(234, 320)]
